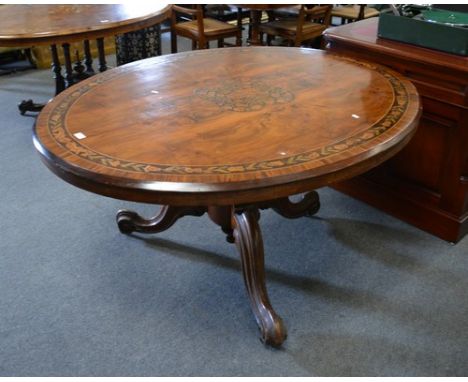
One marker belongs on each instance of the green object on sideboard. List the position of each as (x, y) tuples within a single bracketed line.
[(446, 38)]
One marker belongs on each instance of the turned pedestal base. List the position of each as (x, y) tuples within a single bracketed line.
[(240, 224)]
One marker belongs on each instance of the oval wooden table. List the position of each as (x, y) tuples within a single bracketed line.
[(26, 25), (263, 123)]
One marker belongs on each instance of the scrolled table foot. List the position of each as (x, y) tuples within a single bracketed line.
[(130, 221), (307, 206), (249, 242), (229, 234), (29, 105)]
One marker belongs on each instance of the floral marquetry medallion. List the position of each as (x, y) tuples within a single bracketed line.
[(245, 94)]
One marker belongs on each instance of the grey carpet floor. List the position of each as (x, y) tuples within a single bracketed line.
[(362, 293)]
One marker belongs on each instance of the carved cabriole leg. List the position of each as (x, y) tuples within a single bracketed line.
[(307, 206), (129, 221), (249, 242)]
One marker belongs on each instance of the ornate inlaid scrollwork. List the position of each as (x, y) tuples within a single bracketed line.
[(225, 97)]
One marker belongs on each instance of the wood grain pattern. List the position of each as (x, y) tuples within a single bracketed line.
[(39, 24), (258, 122), (423, 184)]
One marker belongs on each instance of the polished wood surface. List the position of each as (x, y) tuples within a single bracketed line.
[(27, 24), (243, 136), (219, 135), (426, 184)]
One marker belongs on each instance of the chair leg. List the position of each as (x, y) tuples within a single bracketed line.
[(239, 20), (173, 42), (220, 43), (194, 45), (269, 39), (323, 43), (239, 38), (202, 43), (29, 56)]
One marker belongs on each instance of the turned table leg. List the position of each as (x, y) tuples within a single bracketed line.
[(249, 242)]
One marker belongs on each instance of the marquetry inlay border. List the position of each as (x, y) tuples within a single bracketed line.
[(56, 127)]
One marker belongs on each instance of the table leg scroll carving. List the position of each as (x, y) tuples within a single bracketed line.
[(129, 221), (307, 206), (249, 242), (29, 105)]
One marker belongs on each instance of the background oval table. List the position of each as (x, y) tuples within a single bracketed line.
[(263, 123), (26, 25)]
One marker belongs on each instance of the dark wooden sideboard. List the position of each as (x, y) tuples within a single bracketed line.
[(426, 184)]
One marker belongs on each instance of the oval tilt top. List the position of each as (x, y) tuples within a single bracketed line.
[(224, 125)]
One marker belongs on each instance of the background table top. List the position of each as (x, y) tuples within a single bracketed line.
[(26, 24), (226, 124)]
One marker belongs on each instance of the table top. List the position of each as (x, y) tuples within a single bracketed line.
[(224, 126), (33, 24), (364, 33)]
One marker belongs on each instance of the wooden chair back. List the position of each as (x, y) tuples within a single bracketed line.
[(319, 14), (194, 13), (194, 28)]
